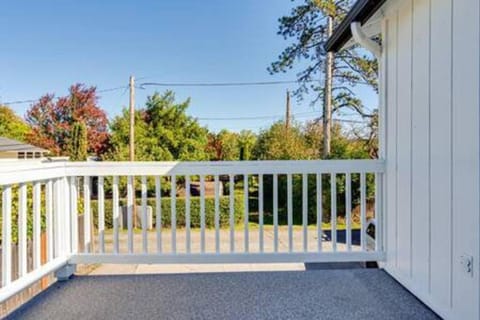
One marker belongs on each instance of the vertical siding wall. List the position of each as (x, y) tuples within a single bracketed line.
[(432, 151)]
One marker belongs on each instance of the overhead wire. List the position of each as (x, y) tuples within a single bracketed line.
[(218, 84), (7, 103), (210, 84)]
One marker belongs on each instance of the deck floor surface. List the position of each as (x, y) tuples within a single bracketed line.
[(312, 294)]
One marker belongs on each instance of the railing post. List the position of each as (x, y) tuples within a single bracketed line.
[(64, 215), (6, 235), (74, 214)]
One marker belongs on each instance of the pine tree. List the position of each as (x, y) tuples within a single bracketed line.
[(307, 28)]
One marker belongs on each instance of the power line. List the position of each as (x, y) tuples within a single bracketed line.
[(256, 117), (56, 98), (113, 89), (218, 84), (175, 84), (18, 102), (264, 117)]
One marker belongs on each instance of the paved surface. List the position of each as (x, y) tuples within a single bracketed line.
[(129, 269), (117, 269), (316, 294)]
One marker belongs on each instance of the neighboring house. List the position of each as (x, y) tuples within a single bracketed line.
[(13, 149), (429, 137)]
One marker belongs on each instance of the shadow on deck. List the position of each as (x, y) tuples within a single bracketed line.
[(311, 294)]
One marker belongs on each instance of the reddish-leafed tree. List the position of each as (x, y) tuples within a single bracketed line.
[(52, 120), (214, 147)]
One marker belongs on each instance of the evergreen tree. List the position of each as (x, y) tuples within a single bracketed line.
[(78, 142), (306, 29)]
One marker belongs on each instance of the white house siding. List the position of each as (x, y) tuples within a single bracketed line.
[(431, 53)]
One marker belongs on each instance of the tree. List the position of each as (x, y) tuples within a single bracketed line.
[(346, 143), (307, 27), (163, 132), (52, 120), (223, 146), (11, 125), (279, 143), (302, 142), (246, 141), (78, 143), (214, 147), (230, 145)]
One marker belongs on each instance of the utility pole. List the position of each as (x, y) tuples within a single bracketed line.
[(327, 105), (287, 113), (132, 118), (132, 141)]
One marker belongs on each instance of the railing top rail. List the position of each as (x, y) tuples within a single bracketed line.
[(26, 171), (17, 172), (222, 167)]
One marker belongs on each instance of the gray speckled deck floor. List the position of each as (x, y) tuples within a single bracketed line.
[(314, 294)]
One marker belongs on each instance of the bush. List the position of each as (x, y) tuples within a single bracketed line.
[(297, 201), (180, 211), (15, 212)]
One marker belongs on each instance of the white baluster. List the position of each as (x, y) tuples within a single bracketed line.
[(187, 215), (246, 212), (275, 213), (158, 212), (289, 213), (305, 211), (144, 215), (36, 224), (130, 212), (202, 214), (232, 212), (101, 214), (6, 235), (333, 212), (217, 214), (115, 215), (260, 211), (348, 210), (22, 230), (319, 212), (363, 223), (173, 199)]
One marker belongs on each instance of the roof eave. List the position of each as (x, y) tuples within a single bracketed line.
[(361, 11)]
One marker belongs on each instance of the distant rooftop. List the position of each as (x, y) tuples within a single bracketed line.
[(10, 145)]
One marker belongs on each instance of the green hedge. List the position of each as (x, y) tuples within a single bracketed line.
[(14, 216), (180, 210)]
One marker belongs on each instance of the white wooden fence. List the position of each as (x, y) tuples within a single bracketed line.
[(56, 195)]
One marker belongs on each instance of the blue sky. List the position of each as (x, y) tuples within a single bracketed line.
[(48, 45)]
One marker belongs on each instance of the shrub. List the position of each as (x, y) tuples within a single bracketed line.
[(297, 201), (15, 212)]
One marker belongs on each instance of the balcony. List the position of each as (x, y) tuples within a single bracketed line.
[(256, 212)]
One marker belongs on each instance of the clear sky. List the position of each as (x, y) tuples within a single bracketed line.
[(48, 45)]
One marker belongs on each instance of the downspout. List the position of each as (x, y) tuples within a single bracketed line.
[(363, 40)]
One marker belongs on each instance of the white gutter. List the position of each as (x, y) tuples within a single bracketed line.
[(362, 39)]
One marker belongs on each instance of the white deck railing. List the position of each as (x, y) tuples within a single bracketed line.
[(49, 197)]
